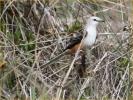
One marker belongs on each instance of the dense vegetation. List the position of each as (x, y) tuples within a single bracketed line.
[(32, 32)]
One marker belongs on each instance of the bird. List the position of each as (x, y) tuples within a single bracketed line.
[(89, 37), (82, 41)]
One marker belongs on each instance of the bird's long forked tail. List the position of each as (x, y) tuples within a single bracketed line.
[(56, 58)]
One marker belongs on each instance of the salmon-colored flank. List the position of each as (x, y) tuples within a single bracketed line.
[(75, 48)]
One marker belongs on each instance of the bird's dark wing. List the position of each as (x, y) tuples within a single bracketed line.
[(73, 41)]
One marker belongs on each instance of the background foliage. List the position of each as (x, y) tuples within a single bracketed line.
[(32, 32)]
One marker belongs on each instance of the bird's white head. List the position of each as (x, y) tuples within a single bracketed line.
[(94, 20), (90, 28)]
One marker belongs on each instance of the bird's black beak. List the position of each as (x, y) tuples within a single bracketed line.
[(101, 20)]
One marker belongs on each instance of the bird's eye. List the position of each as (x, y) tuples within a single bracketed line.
[(94, 19)]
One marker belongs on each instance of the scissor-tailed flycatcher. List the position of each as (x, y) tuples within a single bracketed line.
[(87, 40)]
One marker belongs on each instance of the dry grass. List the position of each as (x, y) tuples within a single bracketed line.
[(34, 32)]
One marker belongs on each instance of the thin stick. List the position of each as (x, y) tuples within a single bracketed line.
[(55, 59)]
